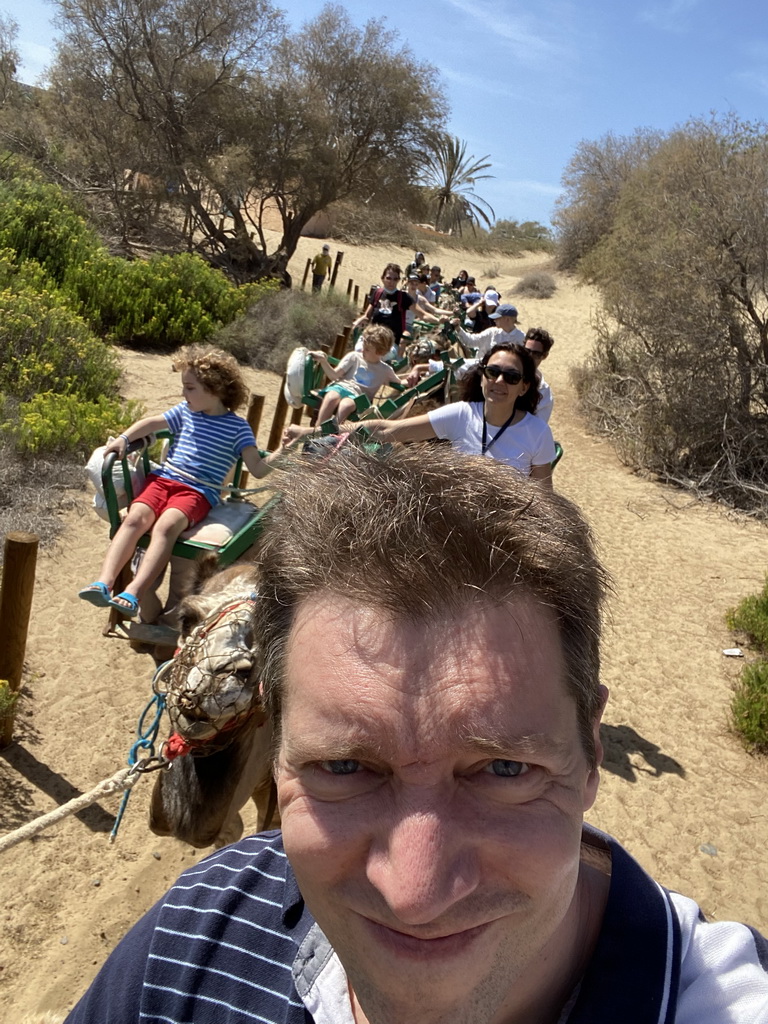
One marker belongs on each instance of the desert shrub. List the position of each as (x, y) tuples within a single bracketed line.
[(592, 185), (39, 222), (269, 331), (537, 285), (160, 303), (47, 347), (8, 699), (749, 706), (678, 376), (750, 617), (54, 424), (492, 272), (34, 491)]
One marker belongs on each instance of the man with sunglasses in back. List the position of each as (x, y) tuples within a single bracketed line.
[(387, 304), (538, 342)]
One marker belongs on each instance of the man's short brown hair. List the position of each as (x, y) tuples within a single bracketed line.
[(420, 532)]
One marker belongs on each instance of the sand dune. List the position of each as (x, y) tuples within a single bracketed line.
[(677, 788)]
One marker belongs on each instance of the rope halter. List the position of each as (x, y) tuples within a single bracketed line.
[(210, 684)]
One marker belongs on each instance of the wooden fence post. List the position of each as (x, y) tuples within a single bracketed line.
[(15, 605), (356, 298), (349, 287), (339, 346), (255, 409), (278, 420), (306, 271), (336, 265)]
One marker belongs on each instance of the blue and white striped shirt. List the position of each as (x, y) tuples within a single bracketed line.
[(233, 943), (204, 448)]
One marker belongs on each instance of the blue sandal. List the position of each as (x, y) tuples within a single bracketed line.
[(96, 593), (130, 609)]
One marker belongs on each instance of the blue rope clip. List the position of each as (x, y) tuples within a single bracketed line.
[(146, 741)]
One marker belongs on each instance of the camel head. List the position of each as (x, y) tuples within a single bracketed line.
[(212, 682)]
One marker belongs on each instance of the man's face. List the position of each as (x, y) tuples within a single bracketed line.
[(536, 349), (432, 783)]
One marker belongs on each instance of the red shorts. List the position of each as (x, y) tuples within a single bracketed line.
[(161, 493)]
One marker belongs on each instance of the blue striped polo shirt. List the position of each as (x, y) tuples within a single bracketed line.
[(233, 943), (204, 449)]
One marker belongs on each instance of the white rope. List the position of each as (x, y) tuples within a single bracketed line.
[(120, 780)]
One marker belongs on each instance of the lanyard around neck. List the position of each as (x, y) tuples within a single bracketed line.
[(487, 445)]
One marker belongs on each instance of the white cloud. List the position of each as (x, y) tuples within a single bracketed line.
[(476, 83), (756, 81), (541, 188), (35, 57), (534, 39), (669, 17)]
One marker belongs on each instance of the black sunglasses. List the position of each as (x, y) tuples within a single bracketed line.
[(511, 377)]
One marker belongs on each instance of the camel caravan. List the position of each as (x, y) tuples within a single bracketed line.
[(178, 523)]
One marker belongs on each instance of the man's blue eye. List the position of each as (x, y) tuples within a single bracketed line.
[(507, 769), (348, 767)]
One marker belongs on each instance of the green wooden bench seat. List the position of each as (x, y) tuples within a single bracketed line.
[(242, 536)]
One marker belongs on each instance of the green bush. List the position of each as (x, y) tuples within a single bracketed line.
[(160, 303), (8, 699), (54, 424), (750, 616), (538, 285), (47, 347), (267, 334), (38, 221), (749, 707)]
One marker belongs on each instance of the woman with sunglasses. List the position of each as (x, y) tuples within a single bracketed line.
[(494, 417)]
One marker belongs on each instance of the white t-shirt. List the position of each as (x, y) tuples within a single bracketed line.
[(522, 445), (546, 401)]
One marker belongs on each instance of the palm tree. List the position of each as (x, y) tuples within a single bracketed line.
[(450, 179)]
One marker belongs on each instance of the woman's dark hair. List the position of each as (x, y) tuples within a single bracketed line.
[(471, 386)]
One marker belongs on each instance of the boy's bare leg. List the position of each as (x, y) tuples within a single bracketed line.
[(328, 406), (137, 522), (346, 408), (166, 531)]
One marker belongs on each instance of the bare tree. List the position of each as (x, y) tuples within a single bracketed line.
[(592, 183)]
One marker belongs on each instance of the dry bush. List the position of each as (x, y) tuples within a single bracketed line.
[(269, 331), (537, 285), (34, 493), (679, 373), (675, 420)]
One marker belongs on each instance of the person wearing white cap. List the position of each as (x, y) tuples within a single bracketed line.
[(505, 329), (321, 268)]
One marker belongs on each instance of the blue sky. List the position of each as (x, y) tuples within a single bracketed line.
[(526, 82)]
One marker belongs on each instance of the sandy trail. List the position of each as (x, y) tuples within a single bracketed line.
[(677, 788)]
